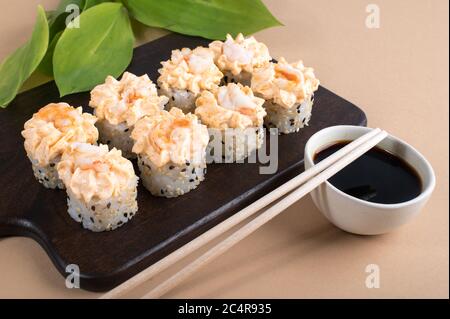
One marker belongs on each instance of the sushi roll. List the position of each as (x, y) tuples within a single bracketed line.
[(288, 89), (101, 186), (50, 132), (234, 117), (237, 58), (118, 105), (186, 74), (171, 150)]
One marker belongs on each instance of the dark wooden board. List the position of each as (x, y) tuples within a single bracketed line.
[(161, 225)]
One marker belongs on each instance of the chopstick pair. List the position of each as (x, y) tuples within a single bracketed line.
[(297, 188)]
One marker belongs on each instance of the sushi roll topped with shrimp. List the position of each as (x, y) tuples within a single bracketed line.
[(234, 117), (171, 150), (186, 74), (50, 132), (237, 58), (101, 186), (118, 105), (288, 89)]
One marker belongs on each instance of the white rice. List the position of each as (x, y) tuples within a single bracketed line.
[(170, 180), (104, 215), (235, 144), (182, 99), (288, 120), (118, 136), (47, 175)]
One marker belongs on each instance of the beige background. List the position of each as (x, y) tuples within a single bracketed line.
[(399, 75)]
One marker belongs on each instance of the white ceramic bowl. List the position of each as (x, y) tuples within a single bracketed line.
[(358, 216)]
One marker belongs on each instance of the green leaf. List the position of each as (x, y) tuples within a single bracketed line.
[(211, 19), (92, 3), (102, 46), (17, 67), (46, 66), (61, 9), (56, 27), (49, 14), (57, 24)]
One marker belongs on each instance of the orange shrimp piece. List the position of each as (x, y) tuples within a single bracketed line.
[(288, 76), (56, 113), (245, 110)]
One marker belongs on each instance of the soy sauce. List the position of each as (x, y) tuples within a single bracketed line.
[(377, 176)]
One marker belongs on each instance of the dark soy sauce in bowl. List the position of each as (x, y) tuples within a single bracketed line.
[(377, 176)]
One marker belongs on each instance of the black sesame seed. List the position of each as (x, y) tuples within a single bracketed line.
[(108, 205), (191, 180), (52, 164), (125, 215), (108, 142), (304, 120), (93, 207), (225, 78), (173, 98), (79, 216), (92, 220), (196, 178), (162, 192), (126, 130), (183, 170), (193, 171), (188, 163), (171, 167), (46, 179), (119, 223)]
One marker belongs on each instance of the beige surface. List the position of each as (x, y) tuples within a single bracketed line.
[(399, 75)]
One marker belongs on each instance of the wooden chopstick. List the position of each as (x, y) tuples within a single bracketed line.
[(362, 144), (260, 220)]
